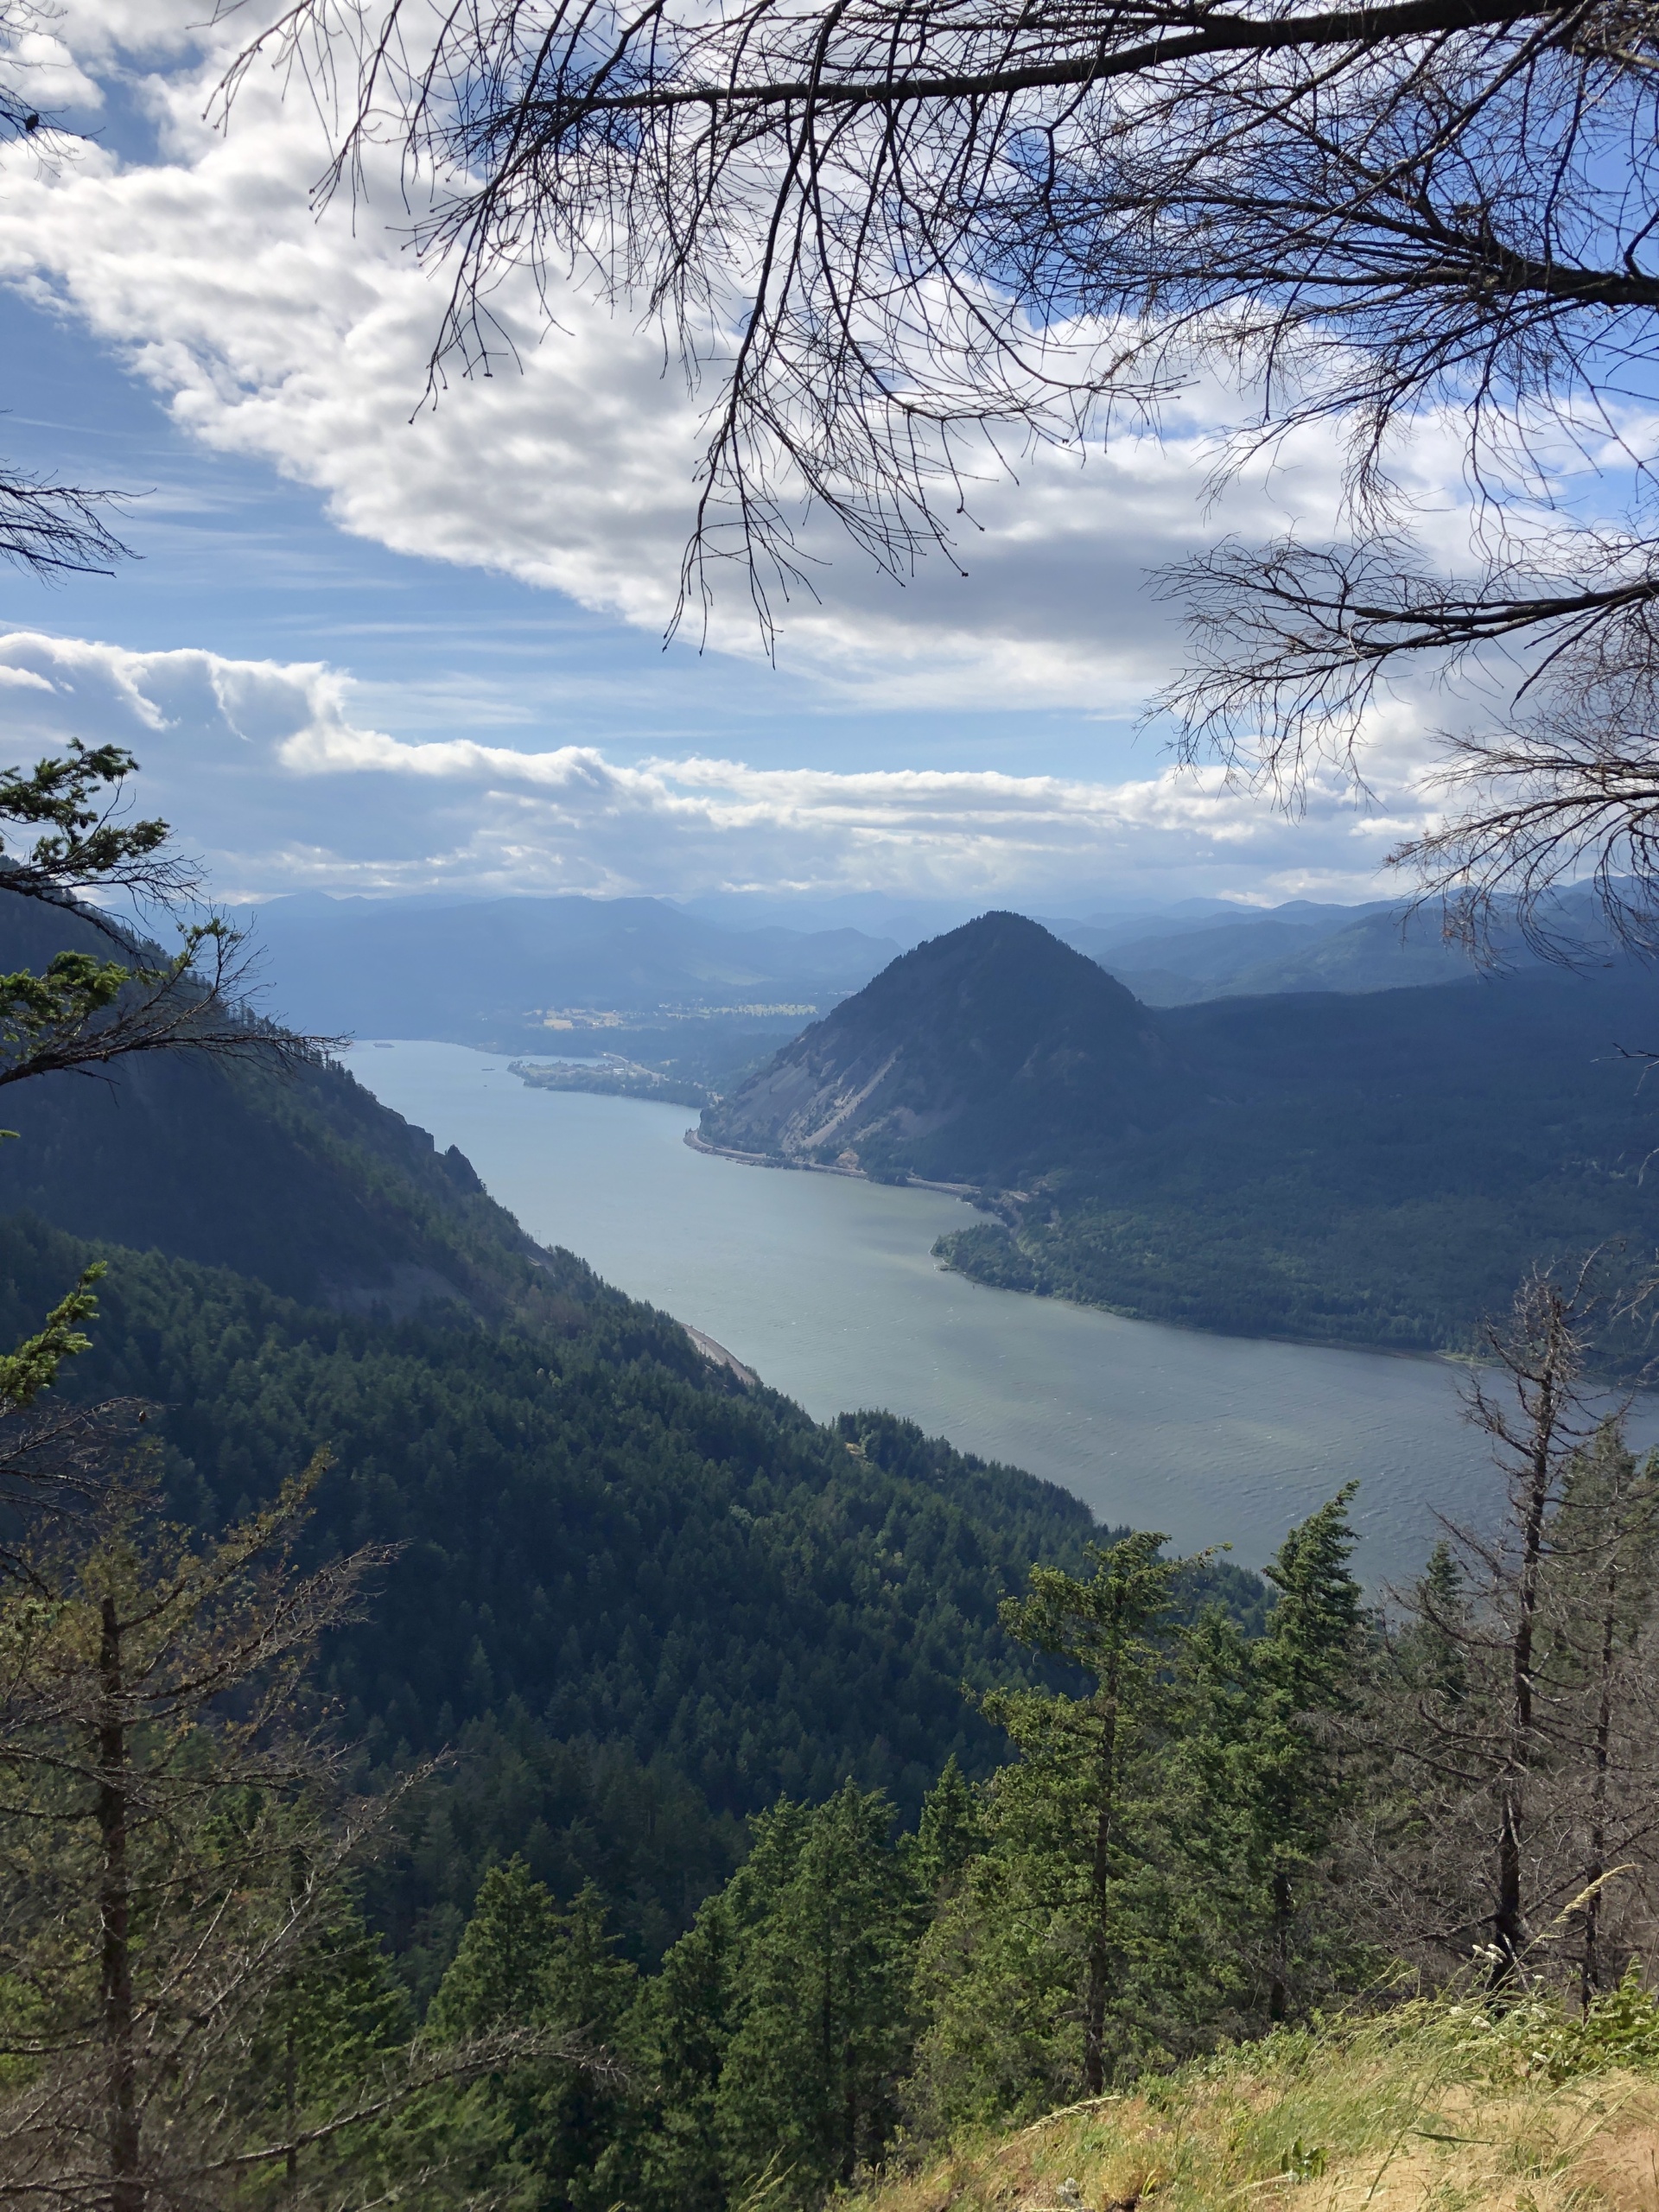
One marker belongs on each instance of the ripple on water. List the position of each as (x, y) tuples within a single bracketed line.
[(827, 1288)]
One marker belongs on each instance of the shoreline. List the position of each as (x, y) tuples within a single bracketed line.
[(971, 1193)]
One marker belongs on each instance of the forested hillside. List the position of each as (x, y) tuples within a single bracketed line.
[(1375, 1168), (624, 1578), (294, 1174), (464, 1744)]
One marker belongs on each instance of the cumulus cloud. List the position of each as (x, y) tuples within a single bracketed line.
[(304, 342), (227, 743)]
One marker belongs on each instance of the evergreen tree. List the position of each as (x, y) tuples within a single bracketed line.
[(498, 1976), (339, 2019), (951, 1832), (550, 2132), (1266, 1786), (1041, 1976), (688, 2017), (809, 2091)]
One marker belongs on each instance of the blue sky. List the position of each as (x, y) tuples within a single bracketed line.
[(235, 559), (363, 653)]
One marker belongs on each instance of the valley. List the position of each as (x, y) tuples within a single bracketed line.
[(1365, 1167), (826, 1286)]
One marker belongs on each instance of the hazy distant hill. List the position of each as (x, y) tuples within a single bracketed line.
[(1299, 946), (1371, 1168), (492, 972), (304, 1180)]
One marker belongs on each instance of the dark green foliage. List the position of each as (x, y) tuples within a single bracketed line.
[(1153, 1871), (541, 2133), (1265, 1786), (768, 2051), (690, 2015), (1376, 1169), (1047, 1973), (577, 1811), (808, 2089), (950, 1834), (498, 1976), (597, 1525), (338, 2017)]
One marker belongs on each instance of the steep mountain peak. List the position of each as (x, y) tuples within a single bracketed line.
[(996, 1031)]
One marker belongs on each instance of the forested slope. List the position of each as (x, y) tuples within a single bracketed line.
[(1377, 1168), (298, 1176), (606, 1540)]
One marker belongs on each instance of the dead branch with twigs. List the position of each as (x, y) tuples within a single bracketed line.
[(895, 242), (1515, 1806)]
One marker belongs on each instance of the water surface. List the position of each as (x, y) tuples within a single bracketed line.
[(827, 1288)]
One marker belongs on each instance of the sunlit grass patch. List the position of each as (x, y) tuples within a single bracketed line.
[(1434, 2106)]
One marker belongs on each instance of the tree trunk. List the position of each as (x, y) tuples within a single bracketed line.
[(1590, 1976), (1094, 2017), (849, 2119), (1278, 1991), (127, 2191), (1508, 1915), (291, 2110)]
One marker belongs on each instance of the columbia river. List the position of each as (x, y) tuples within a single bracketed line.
[(827, 1288)]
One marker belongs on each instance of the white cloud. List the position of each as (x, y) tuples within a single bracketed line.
[(304, 343), (227, 744)]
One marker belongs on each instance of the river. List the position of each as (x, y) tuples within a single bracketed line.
[(826, 1287)]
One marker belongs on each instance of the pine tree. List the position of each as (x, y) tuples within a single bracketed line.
[(688, 2017), (770, 2051), (173, 1853), (809, 2090), (1268, 1785), (1109, 1627), (550, 2132), (339, 2020), (1039, 1978), (498, 1976), (951, 1832)]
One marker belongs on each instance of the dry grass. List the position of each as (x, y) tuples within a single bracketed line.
[(1430, 2110)]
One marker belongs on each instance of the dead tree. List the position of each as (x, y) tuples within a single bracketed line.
[(1514, 1777), (174, 1834), (896, 239)]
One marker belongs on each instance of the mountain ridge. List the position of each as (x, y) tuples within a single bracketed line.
[(1374, 1168), (941, 1041)]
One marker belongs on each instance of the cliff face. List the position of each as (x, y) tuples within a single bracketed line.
[(982, 1056)]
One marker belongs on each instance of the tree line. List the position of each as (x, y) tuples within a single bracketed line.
[(1205, 1825), (1208, 1829)]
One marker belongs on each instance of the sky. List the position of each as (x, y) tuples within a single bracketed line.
[(371, 646)]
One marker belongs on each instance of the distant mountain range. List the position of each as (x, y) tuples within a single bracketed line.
[(1373, 1167), (551, 975), (702, 994), (1300, 946)]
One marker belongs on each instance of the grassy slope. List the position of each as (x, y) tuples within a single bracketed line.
[(1431, 2109)]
